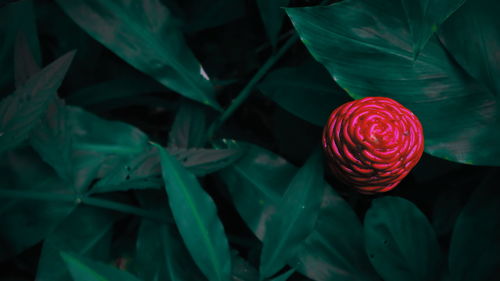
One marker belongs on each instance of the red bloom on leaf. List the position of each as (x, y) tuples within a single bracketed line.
[(372, 143)]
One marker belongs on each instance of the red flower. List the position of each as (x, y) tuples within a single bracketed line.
[(372, 143)]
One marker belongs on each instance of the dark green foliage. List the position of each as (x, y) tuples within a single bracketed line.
[(180, 140)]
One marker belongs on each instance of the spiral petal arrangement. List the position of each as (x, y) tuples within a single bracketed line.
[(372, 143)]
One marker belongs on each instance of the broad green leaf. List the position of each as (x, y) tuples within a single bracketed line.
[(112, 90), (189, 128), (400, 242), (145, 35), (295, 216), (474, 243), (83, 269), (477, 53), (196, 217), (425, 17), (98, 145), (160, 252), (205, 14), (307, 91), (335, 250), (366, 46), (86, 231), (256, 183), (141, 171), (25, 222), (16, 19), (272, 16), (21, 111)]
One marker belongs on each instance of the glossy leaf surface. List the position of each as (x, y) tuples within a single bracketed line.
[(20, 111), (478, 52), (400, 242), (366, 46), (196, 218), (145, 35), (86, 231), (307, 91), (425, 17), (83, 269), (295, 216), (474, 244)]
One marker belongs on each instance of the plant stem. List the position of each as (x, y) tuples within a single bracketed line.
[(96, 202), (243, 95)]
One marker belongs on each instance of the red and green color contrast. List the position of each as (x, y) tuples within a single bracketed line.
[(372, 143)]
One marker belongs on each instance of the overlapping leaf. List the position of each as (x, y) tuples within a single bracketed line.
[(25, 222), (86, 231), (21, 111), (196, 217), (425, 17), (295, 217), (477, 52), (400, 242), (145, 35), (256, 183), (366, 46)]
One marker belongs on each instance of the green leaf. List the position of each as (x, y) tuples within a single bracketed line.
[(425, 17), (272, 16), (86, 231), (142, 170), (478, 52), (20, 111), (160, 253), (367, 49), (307, 91), (400, 242), (256, 183), (145, 35), (16, 19), (98, 145), (83, 269), (335, 250), (474, 244), (196, 217), (189, 128), (25, 222), (295, 216)]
